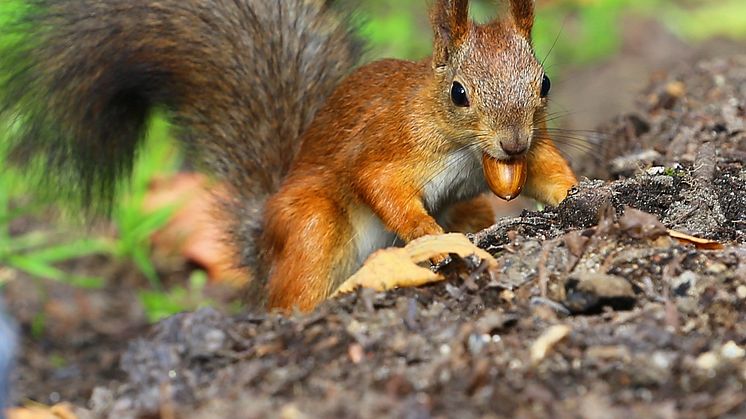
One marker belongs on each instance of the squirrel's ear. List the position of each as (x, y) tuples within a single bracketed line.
[(450, 20), (523, 16)]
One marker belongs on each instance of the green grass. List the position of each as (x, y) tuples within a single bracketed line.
[(706, 19), (163, 303), (135, 225), (35, 253), (38, 253), (577, 32)]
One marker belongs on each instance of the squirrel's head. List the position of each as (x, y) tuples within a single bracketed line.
[(492, 87)]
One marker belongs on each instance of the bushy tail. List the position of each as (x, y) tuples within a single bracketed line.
[(240, 79)]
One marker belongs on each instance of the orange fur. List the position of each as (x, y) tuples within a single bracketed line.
[(307, 247), (470, 216)]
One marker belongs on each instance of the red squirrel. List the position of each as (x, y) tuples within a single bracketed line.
[(326, 161)]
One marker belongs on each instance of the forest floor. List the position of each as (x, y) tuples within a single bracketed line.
[(628, 300)]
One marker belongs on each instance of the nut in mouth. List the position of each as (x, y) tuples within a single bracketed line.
[(505, 178)]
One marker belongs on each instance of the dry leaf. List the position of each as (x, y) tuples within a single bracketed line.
[(193, 233), (58, 411), (387, 269), (427, 247), (641, 225), (547, 340), (700, 243), (397, 267)]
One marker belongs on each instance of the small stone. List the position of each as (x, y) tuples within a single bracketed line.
[(641, 225), (676, 89), (609, 353), (688, 305), (707, 361), (445, 350), (732, 351), (717, 268), (477, 343), (741, 291), (356, 353), (101, 399), (291, 411), (507, 295), (661, 360), (684, 283), (214, 340), (656, 170), (591, 292)]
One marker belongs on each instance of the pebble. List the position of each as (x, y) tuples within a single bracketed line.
[(707, 361), (661, 360), (717, 268), (732, 351), (588, 291), (291, 411)]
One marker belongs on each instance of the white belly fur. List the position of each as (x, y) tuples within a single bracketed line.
[(370, 234), (462, 178)]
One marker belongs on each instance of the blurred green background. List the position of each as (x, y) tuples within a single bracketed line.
[(581, 31), (592, 42)]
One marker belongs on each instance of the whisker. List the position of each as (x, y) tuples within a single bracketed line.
[(562, 28), (586, 141), (547, 117), (571, 139), (585, 131), (578, 137), (552, 118)]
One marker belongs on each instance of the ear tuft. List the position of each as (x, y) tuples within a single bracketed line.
[(523, 16), (450, 21)]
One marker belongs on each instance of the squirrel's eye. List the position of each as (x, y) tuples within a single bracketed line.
[(545, 86), (458, 95)]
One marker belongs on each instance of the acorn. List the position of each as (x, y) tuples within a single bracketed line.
[(504, 177)]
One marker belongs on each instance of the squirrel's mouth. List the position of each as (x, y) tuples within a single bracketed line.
[(505, 178)]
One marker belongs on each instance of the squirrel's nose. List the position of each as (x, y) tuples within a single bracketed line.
[(513, 148)]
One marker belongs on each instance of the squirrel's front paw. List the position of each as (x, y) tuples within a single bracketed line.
[(560, 192), (422, 228)]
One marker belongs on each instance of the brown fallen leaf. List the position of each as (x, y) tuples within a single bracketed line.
[(194, 232), (58, 411), (426, 247), (700, 243), (397, 267), (640, 224), (387, 269)]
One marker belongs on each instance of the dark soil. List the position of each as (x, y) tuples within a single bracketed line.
[(644, 325), (71, 338)]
